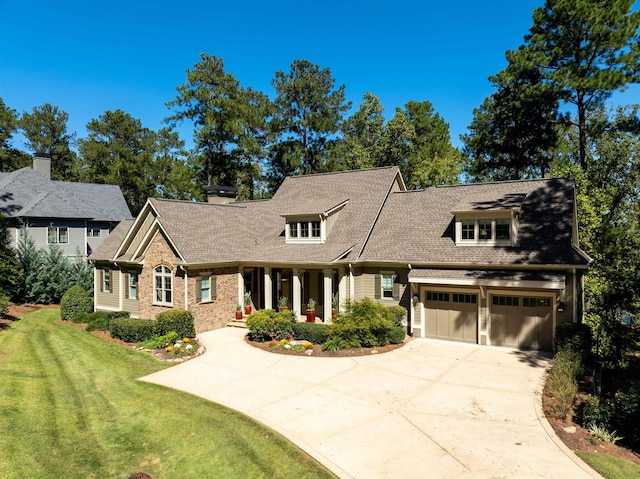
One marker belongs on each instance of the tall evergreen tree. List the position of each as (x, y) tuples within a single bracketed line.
[(515, 130), (11, 273), (10, 158), (45, 129), (309, 112), (211, 99), (120, 151), (586, 49)]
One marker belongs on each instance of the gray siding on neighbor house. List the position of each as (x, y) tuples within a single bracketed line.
[(93, 242), (38, 230)]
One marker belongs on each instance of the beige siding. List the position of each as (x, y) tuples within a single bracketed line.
[(365, 286), (105, 299), (144, 228)]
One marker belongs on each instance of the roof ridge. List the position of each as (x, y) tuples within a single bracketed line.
[(359, 170), (233, 204), (483, 183)]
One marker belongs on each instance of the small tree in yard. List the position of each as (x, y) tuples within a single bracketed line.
[(11, 272), (75, 301)]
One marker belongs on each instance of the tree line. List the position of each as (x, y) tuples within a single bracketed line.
[(548, 116)]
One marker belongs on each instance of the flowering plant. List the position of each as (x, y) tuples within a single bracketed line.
[(291, 345)]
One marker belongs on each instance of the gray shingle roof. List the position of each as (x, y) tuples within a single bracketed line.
[(26, 193), (417, 227), (108, 247), (254, 231), (510, 275)]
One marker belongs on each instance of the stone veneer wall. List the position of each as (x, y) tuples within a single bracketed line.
[(221, 311), (159, 252), (207, 316)]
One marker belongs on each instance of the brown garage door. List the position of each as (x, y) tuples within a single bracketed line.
[(451, 316), (521, 322)]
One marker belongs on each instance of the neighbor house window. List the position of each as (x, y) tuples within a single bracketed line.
[(205, 288), (106, 280), (57, 234), (162, 283), (133, 285), (387, 286), (93, 232)]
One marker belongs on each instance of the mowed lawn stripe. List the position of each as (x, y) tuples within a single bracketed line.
[(72, 407)]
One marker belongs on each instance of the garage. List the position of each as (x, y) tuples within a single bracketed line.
[(521, 321), (451, 316)]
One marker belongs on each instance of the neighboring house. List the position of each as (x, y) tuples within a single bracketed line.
[(75, 216), (495, 263)]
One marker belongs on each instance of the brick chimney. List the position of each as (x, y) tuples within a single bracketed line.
[(42, 164), (221, 195)]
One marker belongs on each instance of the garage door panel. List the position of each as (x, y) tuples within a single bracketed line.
[(448, 319), (522, 322)]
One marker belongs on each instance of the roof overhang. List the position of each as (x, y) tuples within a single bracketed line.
[(497, 278)]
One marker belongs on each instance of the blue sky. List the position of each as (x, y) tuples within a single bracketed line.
[(89, 57)]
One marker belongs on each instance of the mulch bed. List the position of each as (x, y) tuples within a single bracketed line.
[(318, 352), (581, 440)]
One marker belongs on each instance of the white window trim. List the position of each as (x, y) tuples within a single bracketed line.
[(58, 228), (204, 276), (163, 275), (93, 229), (393, 279), (299, 239), (476, 241), (106, 276), (129, 286)]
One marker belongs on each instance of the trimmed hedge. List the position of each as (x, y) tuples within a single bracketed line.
[(97, 321), (73, 302), (315, 333), (132, 330), (177, 320), (366, 324)]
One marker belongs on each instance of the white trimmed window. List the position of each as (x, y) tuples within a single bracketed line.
[(93, 232), (306, 231), (484, 231), (57, 234), (387, 285), (162, 280), (133, 286), (106, 280), (205, 288)]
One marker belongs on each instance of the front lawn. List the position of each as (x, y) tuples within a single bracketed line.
[(610, 467), (72, 408)]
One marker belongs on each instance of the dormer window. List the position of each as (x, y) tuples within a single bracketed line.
[(486, 231), (305, 231)]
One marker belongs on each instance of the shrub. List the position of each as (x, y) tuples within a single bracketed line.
[(75, 300), (4, 305), (564, 381), (159, 342), (97, 321), (266, 325), (398, 315), (315, 333), (335, 344), (178, 320), (573, 338), (132, 330), (118, 314), (620, 412), (397, 334), (366, 324)]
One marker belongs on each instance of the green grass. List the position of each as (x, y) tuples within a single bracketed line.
[(71, 407), (610, 467)]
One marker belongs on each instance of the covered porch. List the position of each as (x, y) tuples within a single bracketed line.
[(270, 285)]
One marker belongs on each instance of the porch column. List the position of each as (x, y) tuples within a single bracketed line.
[(328, 288), (268, 289), (297, 290), (342, 289), (240, 285)]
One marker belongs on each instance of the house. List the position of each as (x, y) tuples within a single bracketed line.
[(493, 264), (75, 216)]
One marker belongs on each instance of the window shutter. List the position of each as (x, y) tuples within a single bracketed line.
[(198, 289), (396, 290), (111, 278), (127, 284), (212, 285), (378, 286), (101, 280)]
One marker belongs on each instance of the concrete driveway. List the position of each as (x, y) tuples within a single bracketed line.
[(431, 409)]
